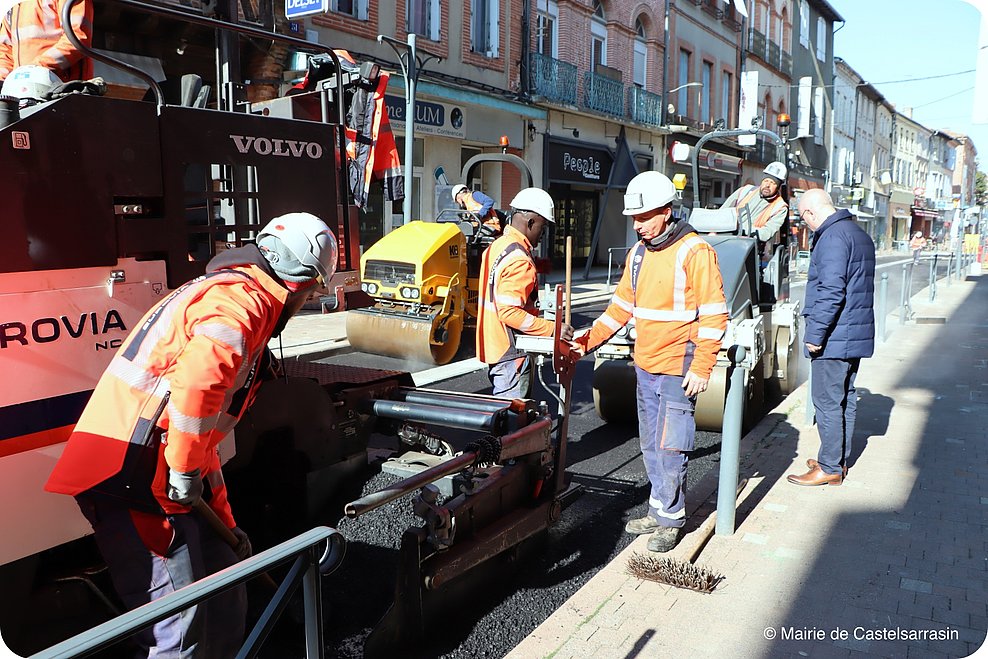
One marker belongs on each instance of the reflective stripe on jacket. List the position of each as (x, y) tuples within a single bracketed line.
[(184, 376), (507, 298), (31, 33), (676, 296)]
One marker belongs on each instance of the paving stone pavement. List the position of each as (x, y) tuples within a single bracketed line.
[(893, 563)]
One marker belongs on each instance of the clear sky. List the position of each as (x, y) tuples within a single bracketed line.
[(887, 41)]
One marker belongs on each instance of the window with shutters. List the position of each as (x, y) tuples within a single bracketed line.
[(682, 103), (821, 39), (353, 8), (423, 18), (818, 116), (484, 27), (804, 24), (708, 76), (546, 37), (726, 87), (641, 54), (598, 36)]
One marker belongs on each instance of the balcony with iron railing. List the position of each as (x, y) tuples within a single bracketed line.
[(756, 43), (601, 94), (552, 79), (710, 7), (644, 106)]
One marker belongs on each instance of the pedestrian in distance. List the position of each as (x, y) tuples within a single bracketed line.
[(142, 460), (671, 285), (839, 329), (917, 245), (506, 306)]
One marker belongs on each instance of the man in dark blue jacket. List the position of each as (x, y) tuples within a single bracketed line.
[(840, 329)]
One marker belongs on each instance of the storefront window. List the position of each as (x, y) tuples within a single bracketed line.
[(576, 214)]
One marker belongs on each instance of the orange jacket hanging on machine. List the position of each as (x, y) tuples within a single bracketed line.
[(507, 298), (31, 33), (184, 376), (676, 297)]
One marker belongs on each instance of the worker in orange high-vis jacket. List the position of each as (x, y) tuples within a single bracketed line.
[(144, 451), (31, 33), (508, 293), (479, 203), (671, 286), (767, 204)]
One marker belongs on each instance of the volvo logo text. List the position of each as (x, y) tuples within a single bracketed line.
[(264, 146)]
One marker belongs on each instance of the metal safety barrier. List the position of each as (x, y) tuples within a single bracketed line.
[(316, 552)]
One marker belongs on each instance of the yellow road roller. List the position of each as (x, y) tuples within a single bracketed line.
[(423, 279)]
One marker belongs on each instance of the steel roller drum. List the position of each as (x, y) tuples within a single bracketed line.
[(615, 398), (401, 335)]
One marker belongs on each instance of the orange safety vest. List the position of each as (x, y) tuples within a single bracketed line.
[(917, 243), (768, 212), (507, 298), (31, 33), (491, 219), (676, 296), (173, 391)]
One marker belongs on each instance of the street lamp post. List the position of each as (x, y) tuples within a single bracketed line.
[(411, 67)]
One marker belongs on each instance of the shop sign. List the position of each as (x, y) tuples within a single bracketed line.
[(569, 163), (441, 119)]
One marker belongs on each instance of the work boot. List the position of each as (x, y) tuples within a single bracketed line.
[(642, 525), (663, 539)]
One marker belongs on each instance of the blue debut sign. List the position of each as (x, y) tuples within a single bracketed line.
[(295, 9)]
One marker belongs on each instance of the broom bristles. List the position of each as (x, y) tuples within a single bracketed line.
[(680, 574)]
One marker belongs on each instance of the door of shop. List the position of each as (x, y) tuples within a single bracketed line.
[(576, 214)]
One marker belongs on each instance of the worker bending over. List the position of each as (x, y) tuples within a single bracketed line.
[(766, 205), (145, 450), (508, 294), (31, 33), (672, 286), (475, 201)]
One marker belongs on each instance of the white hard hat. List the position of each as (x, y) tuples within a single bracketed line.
[(457, 189), (648, 191), (308, 239), (535, 200), (31, 81), (777, 171)]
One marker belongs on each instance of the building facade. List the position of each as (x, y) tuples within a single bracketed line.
[(767, 59)]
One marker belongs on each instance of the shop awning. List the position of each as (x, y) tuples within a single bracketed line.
[(925, 213)]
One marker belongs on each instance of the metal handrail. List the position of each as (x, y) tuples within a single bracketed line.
[(311, 560)]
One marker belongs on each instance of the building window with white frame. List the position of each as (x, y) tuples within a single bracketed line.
[(726, 87), (598, 36), (804, 24), (682, 103), (423, 18), (484, 27), (641, 55), (818, 117), (821, 39), (707, 79), (353, 8), (546, 35)]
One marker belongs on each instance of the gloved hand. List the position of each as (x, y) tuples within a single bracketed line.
[(243, 550), (184, 488)]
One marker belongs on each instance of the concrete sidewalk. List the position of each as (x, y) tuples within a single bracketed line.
[(894, 563)]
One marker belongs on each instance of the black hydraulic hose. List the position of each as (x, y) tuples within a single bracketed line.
[(89, 52)]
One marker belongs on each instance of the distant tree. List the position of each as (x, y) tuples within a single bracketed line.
[(981, 188)]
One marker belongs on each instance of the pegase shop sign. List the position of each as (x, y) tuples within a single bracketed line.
[(568, 163), (430, 118)]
